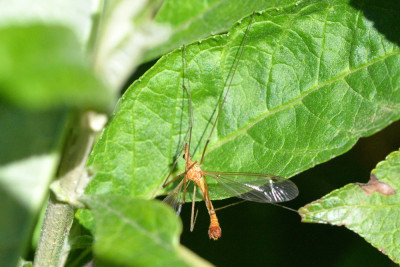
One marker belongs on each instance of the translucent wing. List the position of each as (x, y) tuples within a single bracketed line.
[(175, 197), (256, 187)]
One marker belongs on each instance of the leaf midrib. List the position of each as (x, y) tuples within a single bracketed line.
[(243, 130)]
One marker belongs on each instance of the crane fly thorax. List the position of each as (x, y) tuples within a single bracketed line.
[(195, 173)]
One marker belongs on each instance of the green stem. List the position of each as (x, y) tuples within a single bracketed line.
[(55, 230), (52, 249)]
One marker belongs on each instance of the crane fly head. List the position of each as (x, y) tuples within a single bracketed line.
[(184, 156), (187, 153)]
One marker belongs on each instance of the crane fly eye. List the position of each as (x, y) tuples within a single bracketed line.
[(184, 156)]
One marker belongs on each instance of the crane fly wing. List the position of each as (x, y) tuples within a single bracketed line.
[(174, 198), (262, 188)]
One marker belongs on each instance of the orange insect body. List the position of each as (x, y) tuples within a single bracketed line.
[(195, 174)]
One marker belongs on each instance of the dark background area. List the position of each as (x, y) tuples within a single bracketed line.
[(256, 234)]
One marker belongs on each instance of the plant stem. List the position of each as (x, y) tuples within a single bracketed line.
[(56, 225), (52, 249)]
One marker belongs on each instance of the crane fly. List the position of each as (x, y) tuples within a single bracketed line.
[(264, 188)]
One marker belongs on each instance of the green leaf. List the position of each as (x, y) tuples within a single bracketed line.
[(134, 232), (314, 78), (199, 19), (44, 67), (371, 210), (30, 144)]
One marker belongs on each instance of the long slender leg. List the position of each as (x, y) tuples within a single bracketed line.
[(192, 220), (185, 182), (227, 91), (173, 180), (173, 167), (229, 205), (188, 91)]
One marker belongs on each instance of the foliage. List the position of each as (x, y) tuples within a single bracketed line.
[(315, 77)]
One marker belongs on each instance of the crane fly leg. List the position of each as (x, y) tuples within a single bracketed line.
[(184, 191), (174, 164), (173, 180), (230, 205), (193, 220)]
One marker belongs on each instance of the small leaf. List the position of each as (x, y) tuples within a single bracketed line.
[(134, 232), (373, 215), (314, 78)]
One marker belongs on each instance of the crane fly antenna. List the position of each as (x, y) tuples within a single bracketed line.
[(229, 87), (188, 91)]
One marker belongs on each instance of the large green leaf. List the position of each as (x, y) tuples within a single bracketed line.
[(29, 154), (197, 19), (133, 232), (372, 210), (314, 78)]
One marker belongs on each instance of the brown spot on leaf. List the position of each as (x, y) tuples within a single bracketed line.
[(374, 185)]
